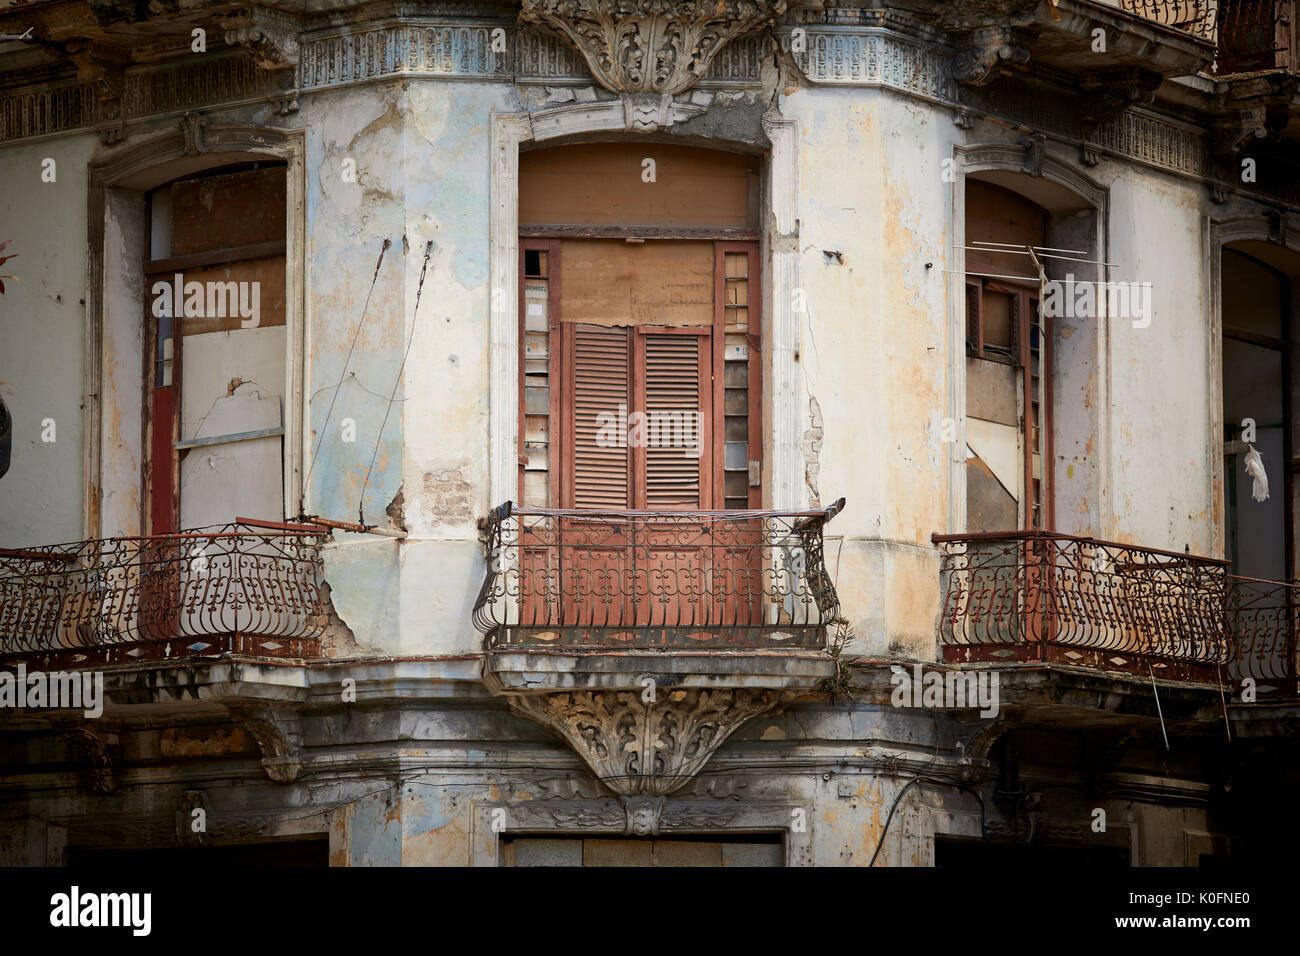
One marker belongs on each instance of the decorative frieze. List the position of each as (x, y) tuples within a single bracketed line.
[(872, 59), (403, 48), (828, 54), (1154, 140), (48, 109), (198, 82), (540, 56)]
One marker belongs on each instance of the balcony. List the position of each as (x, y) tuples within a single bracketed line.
[(245, 588), (645, 638), (1250, 36), (663, 581), (1054, 598), (1262, 619)]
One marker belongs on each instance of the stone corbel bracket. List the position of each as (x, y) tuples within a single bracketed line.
[(270, 36), (1251, 112), (95, 750), (192, 127), (1107, 93), (639, 747), (278, 738), (989, 50), (659, 47)]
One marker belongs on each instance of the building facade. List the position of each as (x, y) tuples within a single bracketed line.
[(586, 432)]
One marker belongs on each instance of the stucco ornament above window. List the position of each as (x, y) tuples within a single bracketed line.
[(650, 46)]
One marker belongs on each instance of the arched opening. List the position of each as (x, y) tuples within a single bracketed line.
[(1031, 245), (214, 344), (639, 328), (1008, 381)]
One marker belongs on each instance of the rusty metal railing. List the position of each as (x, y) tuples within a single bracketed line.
[(1263, 618), (1248, 35), (249, 587), (1254, 35), (1196, 17), (1053, 597), (666, 580)]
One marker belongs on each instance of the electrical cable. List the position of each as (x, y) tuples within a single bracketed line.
[(302, 499)]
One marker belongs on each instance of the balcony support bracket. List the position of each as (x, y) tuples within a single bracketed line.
[(277, 739), (646, 744)]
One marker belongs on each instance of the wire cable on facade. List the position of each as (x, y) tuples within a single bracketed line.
[(361, 499), (302, 500)]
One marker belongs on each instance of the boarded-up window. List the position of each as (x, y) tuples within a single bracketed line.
[(1007, 384), (638, 184), (216, 313), (639, 297), (637, 283)]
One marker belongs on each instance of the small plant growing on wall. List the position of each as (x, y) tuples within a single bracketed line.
[(837, 686), (3, 260)]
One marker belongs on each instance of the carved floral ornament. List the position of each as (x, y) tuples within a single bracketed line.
[(650, 46), (640, 748)]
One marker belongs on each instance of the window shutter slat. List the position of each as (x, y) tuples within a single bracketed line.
[(673, 381), (601, 377)]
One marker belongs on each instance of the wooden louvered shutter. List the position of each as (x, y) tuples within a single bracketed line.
[(601, 376), (674, 460)]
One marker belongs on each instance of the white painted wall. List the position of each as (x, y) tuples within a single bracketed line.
[(42, 328)]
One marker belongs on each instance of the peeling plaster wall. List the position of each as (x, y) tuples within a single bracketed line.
[(873, 350), (347, 223), (1160, 387), (42, 340), (421, 153), (122, 366)]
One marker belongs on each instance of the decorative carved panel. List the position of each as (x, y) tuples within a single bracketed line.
[(650, 46), (651, 748)]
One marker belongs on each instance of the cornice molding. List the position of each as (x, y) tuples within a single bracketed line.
[(837, 53)]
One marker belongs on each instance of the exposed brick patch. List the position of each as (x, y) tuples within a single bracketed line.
[(447, 497)]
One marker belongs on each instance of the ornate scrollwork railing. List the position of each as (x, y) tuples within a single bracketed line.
[(638, 579), (1197, 17), (1262, 618), (1248, 35), (1042, 596), (251, 587)]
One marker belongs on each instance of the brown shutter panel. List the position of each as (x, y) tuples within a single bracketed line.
[(678, 433), (602, 369)]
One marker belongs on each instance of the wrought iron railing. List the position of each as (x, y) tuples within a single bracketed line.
[(667, 580), (1196, 17), (1248, 35), (1053, 597), (1254, 35), (1262, 618), (250, 587)]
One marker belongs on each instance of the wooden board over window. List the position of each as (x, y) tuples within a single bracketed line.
[(997, 215), (613, 184), (228, 209), (612, 282)]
